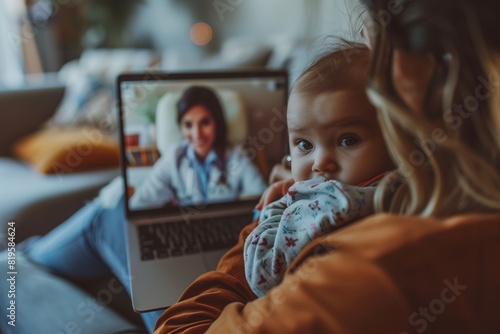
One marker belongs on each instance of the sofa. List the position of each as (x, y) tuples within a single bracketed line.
[(38, 202)]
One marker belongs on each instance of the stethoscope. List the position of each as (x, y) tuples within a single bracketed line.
[(193, 186)]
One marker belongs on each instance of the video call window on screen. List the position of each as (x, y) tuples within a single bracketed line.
[(201, 141)]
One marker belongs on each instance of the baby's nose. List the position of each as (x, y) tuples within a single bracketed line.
[(324, 162)]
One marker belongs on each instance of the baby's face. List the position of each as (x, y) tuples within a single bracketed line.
[(336, 135)]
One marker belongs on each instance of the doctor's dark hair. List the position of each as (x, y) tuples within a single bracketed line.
[(206, 97)]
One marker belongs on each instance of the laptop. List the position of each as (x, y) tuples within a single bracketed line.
[(171, 241)]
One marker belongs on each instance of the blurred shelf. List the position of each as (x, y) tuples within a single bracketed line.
[(141, 156)]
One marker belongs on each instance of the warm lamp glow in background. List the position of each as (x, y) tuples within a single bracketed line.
[(201, 33)]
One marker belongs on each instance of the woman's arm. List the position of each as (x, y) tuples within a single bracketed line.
[(385, 274), (203, 301), (337, 285), (334, 293)]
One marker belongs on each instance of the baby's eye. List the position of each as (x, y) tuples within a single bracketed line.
[(187, 125), (349, 141), (304, 145)]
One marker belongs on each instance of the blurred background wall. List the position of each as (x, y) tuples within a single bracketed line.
[(45, 34)]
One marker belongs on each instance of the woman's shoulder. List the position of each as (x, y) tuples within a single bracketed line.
[(417, 258), (382, 234)]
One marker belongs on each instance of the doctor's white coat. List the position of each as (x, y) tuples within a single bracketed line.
[(173, 179)]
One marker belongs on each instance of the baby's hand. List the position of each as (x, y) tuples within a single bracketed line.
[(273, 192), (279, 173)]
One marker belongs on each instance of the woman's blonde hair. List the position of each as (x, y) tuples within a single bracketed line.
[(448, 158)]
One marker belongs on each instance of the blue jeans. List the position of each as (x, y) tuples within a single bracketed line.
[(89, 244)]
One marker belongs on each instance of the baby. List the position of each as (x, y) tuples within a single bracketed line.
[(338, 155)]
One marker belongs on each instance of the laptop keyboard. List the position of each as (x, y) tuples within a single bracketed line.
[(164, 240)]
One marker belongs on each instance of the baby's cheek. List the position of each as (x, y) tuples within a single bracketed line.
[(299, 172)]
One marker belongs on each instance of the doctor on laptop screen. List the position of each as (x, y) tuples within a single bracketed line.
[(180, 149)]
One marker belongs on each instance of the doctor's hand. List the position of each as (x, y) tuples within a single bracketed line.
[(274, 192)]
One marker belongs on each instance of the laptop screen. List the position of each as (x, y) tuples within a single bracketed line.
[(200, 140)]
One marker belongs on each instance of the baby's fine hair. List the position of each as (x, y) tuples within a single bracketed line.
[(345, 66)]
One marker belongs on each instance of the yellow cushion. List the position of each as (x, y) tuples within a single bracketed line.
[(66, 150)]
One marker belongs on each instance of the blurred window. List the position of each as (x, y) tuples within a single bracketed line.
[(11, 42)]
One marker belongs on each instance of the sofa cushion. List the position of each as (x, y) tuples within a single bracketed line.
[(38, 202), (67, 150), (24, 109)]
